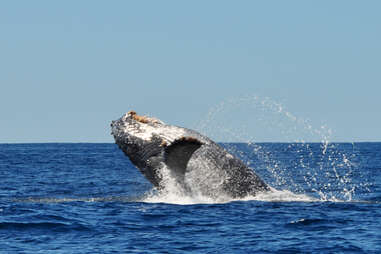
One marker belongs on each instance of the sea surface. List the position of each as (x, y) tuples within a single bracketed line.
[(89, 198)]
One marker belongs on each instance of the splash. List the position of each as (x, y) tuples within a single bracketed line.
[(319, 171), (232, 119), (174, 192), (193, 192)]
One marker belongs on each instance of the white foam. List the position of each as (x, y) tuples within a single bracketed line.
[(173, 192), (271, 196), (281, 196), (174, 198)]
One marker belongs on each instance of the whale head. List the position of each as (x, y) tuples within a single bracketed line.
[(135, 136), (150, 144), (134, 129)]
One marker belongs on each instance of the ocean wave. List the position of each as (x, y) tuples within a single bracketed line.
[(55, 226)]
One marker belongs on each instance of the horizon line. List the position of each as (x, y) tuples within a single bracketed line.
[(221, 142)]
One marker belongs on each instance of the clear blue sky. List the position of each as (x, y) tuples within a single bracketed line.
[(67, 68)]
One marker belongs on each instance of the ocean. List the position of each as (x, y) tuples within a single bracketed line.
[(89, 198)]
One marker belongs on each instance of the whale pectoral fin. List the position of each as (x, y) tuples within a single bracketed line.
[(177, 155)]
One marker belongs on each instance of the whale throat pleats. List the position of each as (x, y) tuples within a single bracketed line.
[(177, 155)]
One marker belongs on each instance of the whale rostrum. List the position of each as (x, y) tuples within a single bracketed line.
[(195, 161)]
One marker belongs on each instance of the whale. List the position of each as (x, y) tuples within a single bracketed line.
[(194, 161)]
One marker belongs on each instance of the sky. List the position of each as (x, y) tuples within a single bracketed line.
[(67, 68)]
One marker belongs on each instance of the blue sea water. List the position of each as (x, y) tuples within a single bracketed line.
[(89, 198)]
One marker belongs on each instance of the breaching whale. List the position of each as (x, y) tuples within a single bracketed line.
[(195, 161)]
